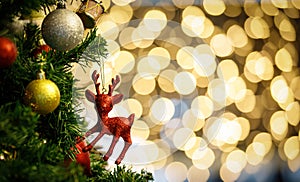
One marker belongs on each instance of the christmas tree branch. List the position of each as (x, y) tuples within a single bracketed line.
[(33, 147)]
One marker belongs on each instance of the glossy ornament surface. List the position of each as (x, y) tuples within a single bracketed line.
[(62, 29), (42, 95), (8, 52)]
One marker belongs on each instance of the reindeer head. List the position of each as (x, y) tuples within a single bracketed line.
[(104, 102)]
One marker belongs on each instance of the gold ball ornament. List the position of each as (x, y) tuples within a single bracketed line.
[(42, 95)]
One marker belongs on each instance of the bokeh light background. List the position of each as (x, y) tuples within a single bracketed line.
[(214, 85)]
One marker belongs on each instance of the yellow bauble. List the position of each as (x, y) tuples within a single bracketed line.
[(42, 96)]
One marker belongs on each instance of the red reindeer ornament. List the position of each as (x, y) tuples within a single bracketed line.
[(116, 126)]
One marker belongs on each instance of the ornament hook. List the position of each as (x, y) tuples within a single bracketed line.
[(61, 4), (41, 74)]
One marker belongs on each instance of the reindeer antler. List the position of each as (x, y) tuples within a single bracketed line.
[(113, 85), (95, 77)]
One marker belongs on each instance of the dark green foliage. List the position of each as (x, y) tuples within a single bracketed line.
[(11, 8), (119, 174), (16, 129), (124, 175), (15, 9), (24, 155), (33, 147), (59, 126)]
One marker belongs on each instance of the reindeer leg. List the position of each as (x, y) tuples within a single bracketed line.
[(127, 140), (94, 129), (122, 155), (91, 145), (111, 148)]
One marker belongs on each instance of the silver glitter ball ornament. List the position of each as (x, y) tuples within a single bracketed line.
[(62, 29)]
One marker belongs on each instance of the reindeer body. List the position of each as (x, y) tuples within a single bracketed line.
[(116, 126)]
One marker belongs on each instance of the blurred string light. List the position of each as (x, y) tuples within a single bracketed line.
[(215, 86)]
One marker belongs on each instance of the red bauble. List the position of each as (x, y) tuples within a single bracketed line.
[(8, 52), (83, 158), (40, 50)]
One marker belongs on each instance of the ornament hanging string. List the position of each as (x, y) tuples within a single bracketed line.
[(102, 76), (41, 73), (101, 64)]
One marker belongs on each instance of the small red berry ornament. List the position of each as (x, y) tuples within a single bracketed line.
[(8, 52), (83, 158), (38, 51)]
